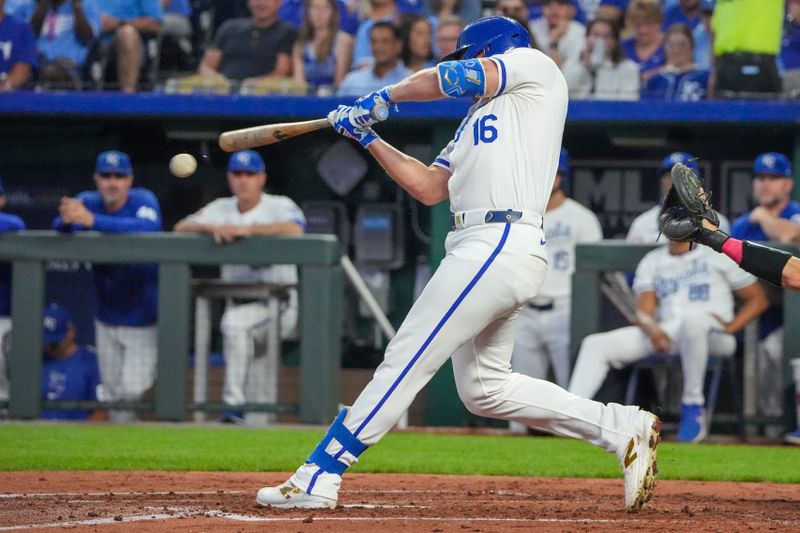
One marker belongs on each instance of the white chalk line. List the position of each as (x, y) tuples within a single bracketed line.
[(115, 493)]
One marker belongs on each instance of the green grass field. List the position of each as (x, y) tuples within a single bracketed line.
[(90, 447)]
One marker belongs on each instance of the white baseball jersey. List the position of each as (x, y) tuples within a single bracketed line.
[(644, 228), (700, 279), (494, 165), (564, 227), (271, 209)]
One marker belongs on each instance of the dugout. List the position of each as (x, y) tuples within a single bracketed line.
[(48, 143)]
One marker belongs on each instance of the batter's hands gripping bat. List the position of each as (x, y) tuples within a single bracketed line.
[(232, 141)]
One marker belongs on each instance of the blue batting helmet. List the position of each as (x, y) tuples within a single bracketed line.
[(680, 157), (773, 164), (490, 35)]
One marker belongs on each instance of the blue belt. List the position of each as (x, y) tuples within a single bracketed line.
[(457, 220)]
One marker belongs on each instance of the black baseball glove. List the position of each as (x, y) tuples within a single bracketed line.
[(685, 207)]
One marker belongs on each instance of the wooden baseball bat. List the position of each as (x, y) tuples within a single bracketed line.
[(232, 141)]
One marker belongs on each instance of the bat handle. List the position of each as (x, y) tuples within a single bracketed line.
[(380, 112)]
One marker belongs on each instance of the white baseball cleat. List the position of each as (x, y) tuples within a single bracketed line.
[(287, 496), (638, 460)]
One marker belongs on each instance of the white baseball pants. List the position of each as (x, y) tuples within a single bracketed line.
[(244, 327), (696, 336), (468, 311), (127, 358), (770, 372), (5, 330)]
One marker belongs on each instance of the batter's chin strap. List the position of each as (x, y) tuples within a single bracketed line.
[(349, 443)]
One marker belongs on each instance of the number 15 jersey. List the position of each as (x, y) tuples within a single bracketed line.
[(505, 152)]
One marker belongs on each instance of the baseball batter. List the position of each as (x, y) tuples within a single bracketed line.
[(498, 172), (250, 211), (644, 228), (684, 306), (542, 338), (125, 319)]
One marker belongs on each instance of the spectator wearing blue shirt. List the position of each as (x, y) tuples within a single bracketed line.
[(790, 50), (686, 12), (680, 80), (65, 28), (292, 12), (125, 23), (380, 11), (646, 47), (775, 218), (702, 36), (387, 67), (125, 320), (7, 223), (69, 371), (17, 51)]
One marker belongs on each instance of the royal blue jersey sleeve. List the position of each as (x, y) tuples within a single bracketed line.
[(140, 214), (10, 223)]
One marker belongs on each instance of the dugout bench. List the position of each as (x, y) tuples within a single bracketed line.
[(317, 258)]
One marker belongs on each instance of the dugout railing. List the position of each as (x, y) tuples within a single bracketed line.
[(321, 286), (591, 260)]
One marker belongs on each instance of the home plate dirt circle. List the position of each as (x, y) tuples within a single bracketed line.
[(215, 501)]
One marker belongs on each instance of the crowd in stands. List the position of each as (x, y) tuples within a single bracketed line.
[(680, 50)]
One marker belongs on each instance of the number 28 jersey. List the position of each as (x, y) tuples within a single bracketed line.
[(505, 152), (700, 279)]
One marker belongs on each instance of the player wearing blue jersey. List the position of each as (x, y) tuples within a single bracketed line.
[(125, 321), (775, 218), (7, 223), (69, 371), (498, 173)]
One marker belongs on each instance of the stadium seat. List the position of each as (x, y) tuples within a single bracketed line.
[(716, 367)]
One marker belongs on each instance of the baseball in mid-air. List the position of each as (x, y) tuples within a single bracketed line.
[(182, 165)]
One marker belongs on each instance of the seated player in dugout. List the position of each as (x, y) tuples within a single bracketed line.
[(250, 211), (684, 306), (69, 371), (772, 265)]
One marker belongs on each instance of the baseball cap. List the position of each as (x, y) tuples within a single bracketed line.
[(246, 160), (774, 164), (563, 162), (680, 157), (56, 323), (707, 5), (114, 162)]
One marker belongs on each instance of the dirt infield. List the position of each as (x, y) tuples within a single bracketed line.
[(201, 501)]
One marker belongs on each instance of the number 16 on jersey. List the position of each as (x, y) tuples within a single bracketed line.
[(483, 131)]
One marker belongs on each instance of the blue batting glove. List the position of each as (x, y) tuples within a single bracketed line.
[(339, 118), (372, 108)]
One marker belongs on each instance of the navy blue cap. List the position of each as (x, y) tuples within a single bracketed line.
[(707, 5), (56, 323), (773, 164), (680, 157), (563, 162), (247, 161), (113, 162)]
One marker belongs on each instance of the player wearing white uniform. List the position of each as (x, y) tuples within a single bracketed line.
[(542, 338), (644, 228), (250, 212), (684, 307), (498, 173)]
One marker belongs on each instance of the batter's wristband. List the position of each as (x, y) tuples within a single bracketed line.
[(764, 262)]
